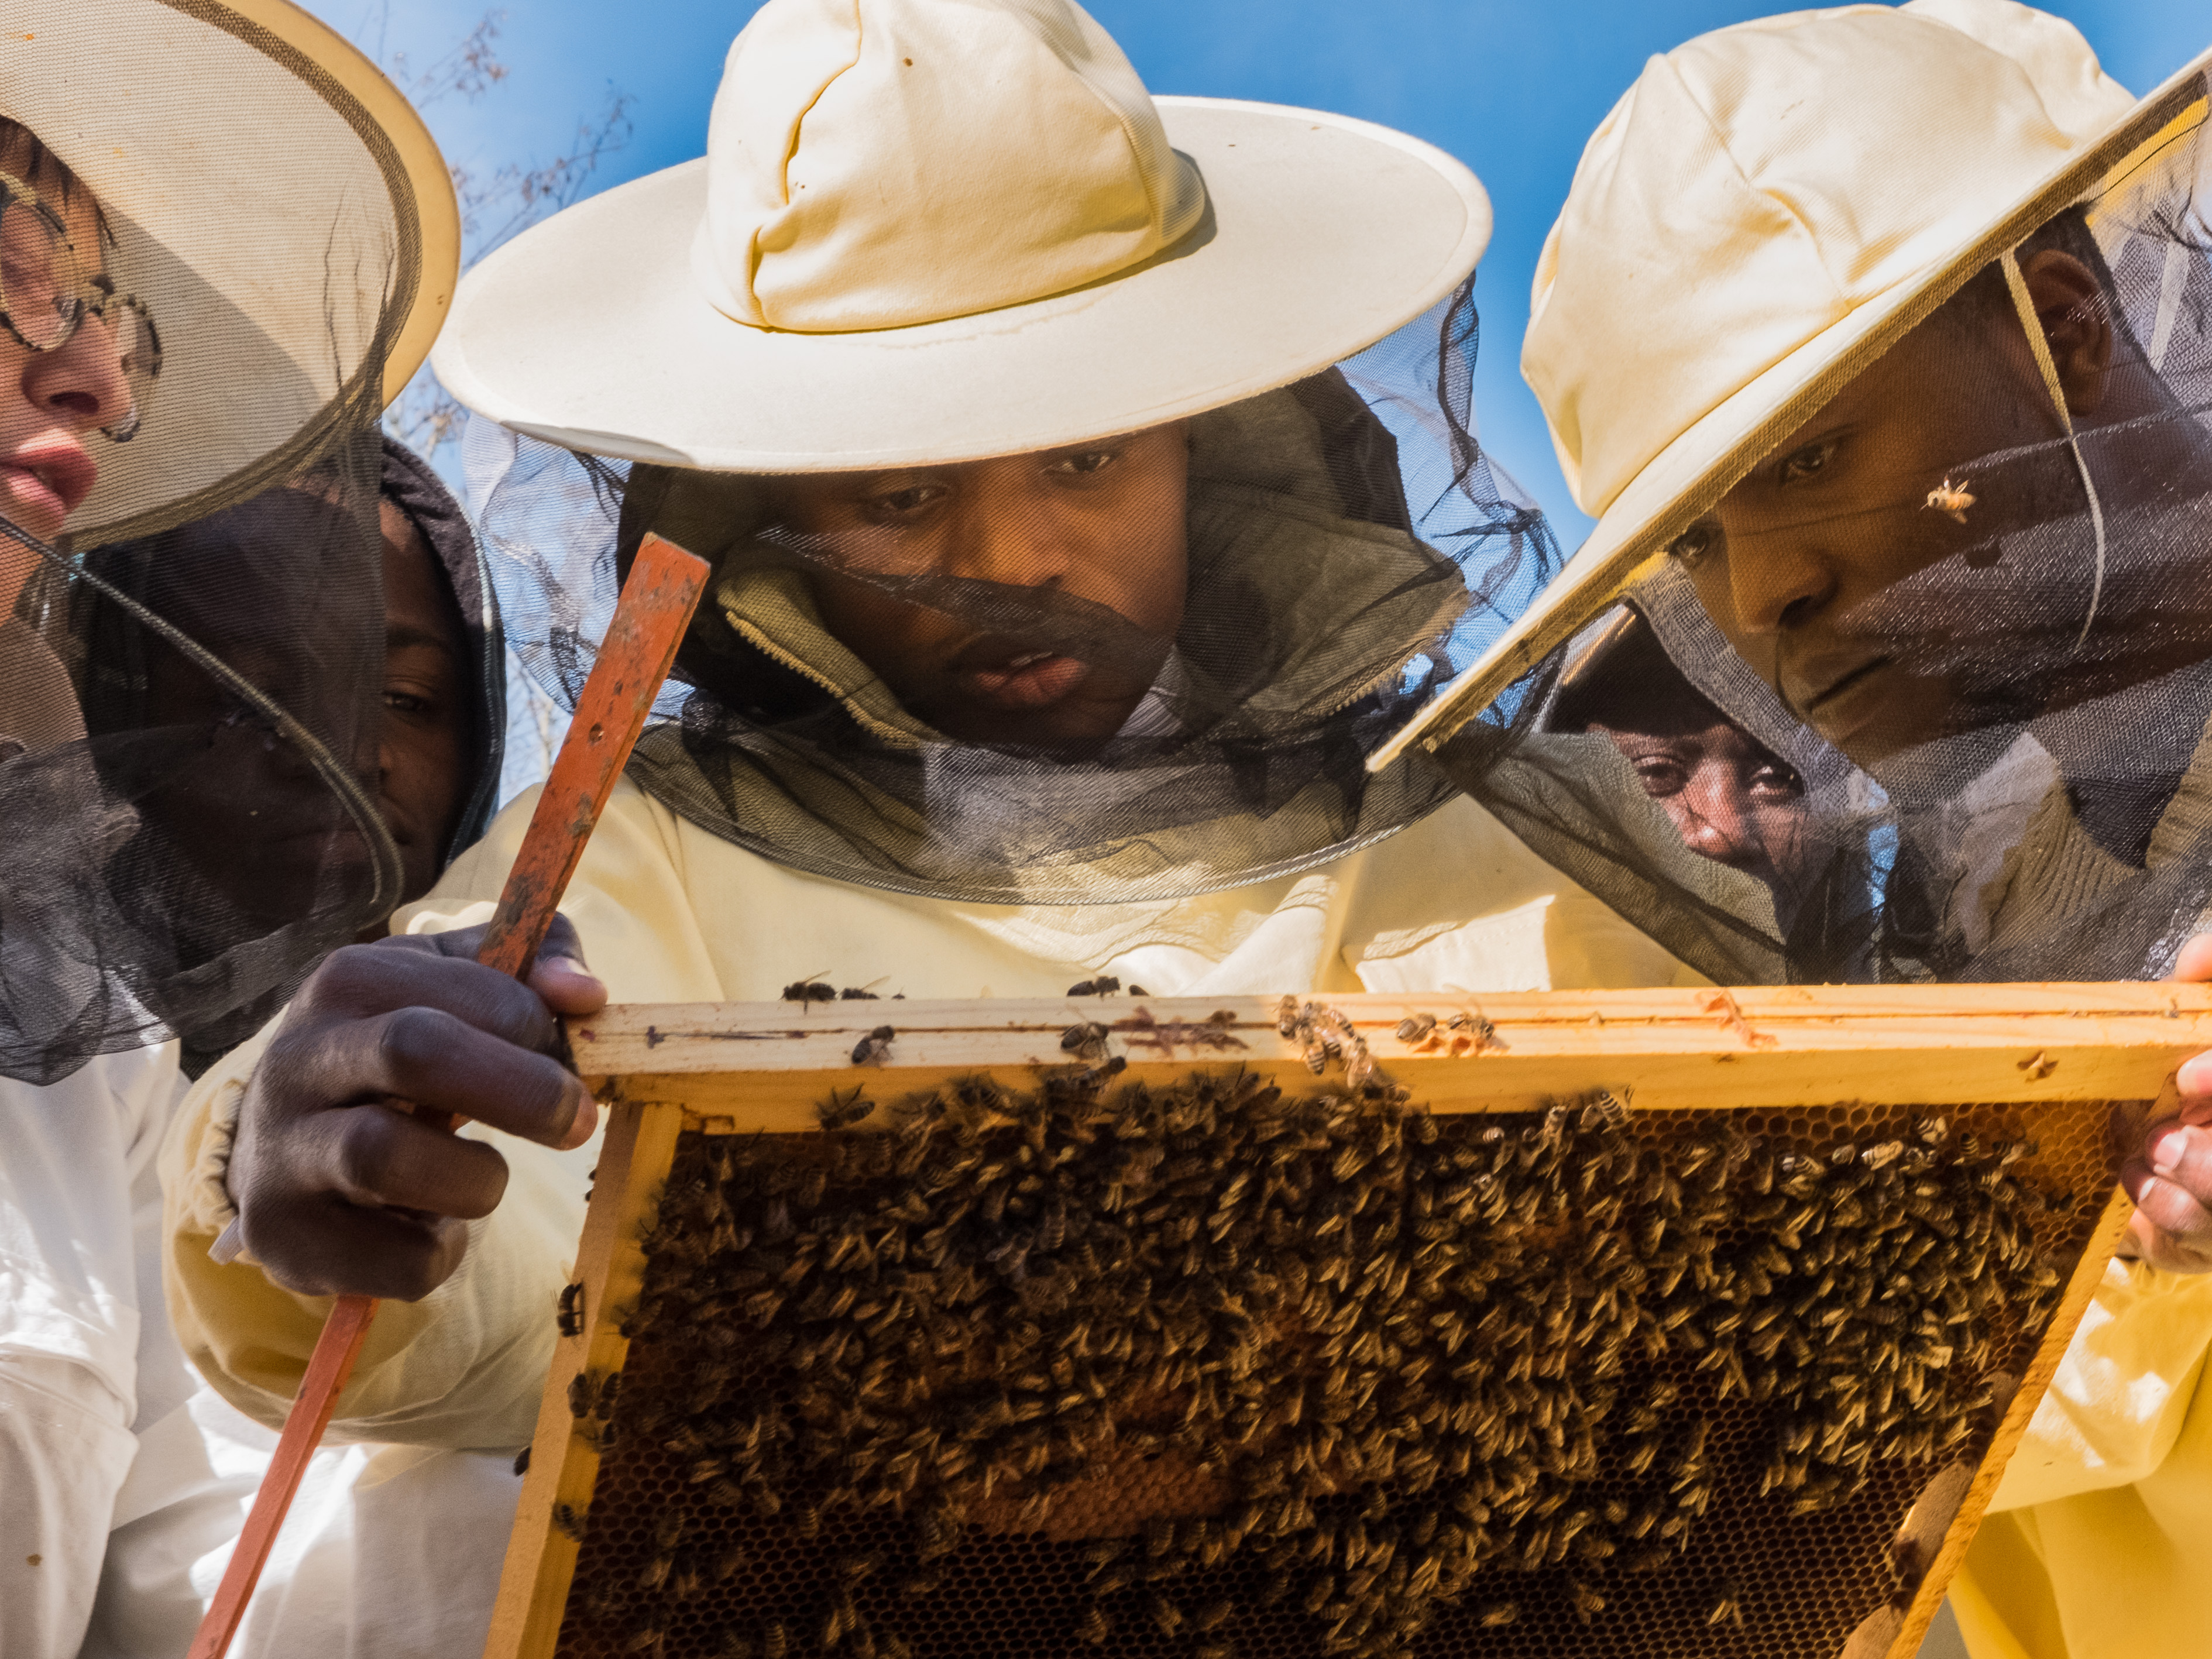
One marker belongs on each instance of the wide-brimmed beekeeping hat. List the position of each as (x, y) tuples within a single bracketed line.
[(1766, 212), (935, 232), (275, 204)]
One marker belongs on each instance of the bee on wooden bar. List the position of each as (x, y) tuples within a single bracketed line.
[(1087, 1040), (570, 1319), (809, 990), (1104, 985), (872, 1048), (844, 1109)]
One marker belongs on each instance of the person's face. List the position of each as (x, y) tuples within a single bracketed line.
[(422, 751), (50, 401), (1101, 521), (1791, 564), (1732, 800), (273, 589)]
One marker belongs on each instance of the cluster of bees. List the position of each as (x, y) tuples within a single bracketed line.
[(1411, 1374)]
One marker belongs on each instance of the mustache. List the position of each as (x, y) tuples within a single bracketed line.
[(1040, 618)]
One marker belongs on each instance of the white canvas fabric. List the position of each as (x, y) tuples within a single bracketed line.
[(203, 130), (1002, 246), (1731, 254)]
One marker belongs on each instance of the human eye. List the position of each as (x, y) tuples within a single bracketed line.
[(1776, 781), (406, 702), (1810, 462), (900, 501), (1082, 463), (1695, 546), (1662, 775)]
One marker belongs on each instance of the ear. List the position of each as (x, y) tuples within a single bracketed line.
[(2077, 322)]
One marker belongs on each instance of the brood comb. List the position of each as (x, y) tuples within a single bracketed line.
[(1576, 1323)]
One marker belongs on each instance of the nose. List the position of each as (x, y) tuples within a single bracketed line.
[(1776, 580), (1717, 818), (1002, 532), (82, 384)]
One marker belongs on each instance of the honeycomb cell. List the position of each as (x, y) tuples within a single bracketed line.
[(1210, 1371)]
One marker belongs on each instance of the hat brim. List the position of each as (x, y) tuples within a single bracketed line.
[(1687, 478), (276, 202), (1323, 234)]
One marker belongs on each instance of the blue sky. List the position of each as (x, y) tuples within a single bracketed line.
[(1513, 88)]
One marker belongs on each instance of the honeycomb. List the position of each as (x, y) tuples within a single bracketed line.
[(1216, 1371)]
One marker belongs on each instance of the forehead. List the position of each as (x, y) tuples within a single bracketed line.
[(62, 191)]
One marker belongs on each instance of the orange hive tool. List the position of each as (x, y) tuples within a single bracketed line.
[(656, 606)]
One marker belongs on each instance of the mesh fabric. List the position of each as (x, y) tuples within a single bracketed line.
[(189, 718), (1144, 666), (1968, 626)]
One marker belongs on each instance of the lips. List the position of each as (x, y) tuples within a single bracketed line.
[(1032, 680), (1839, 685), (47, 479)]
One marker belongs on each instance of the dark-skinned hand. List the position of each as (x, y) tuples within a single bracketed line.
[(340, 1189), (2170, 1175)]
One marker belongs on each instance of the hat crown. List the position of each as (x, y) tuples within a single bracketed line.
[(877, 163), (1760, 183)]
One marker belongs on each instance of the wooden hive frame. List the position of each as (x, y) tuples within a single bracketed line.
[(752, 1068)]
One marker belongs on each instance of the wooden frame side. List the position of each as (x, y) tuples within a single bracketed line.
[(2089, 1273), (764, 1066), (541, 1558)]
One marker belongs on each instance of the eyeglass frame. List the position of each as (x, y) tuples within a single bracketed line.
[(93, 296)]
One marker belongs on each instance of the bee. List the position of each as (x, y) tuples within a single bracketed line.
[(1727, 1607), (522, 1461), (570, 1522), (809, 990), (775, 1644), (1497, 1613), (1473, 1026), (1212, 1616), (1952, 500), (571, 1316), (1085, 1040), (1415, 1027), (870, 1049), (860, 993), (1587, 1601), (646, 1638), (735, 1644), (1104, 985), (842, 1110), (1094, 1627)]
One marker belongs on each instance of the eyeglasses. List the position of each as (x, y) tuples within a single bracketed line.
[(45, 295)]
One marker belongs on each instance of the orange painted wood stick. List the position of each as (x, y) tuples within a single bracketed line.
[(656, 606)]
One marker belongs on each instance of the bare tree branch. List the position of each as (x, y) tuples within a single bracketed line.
[(494, 209)]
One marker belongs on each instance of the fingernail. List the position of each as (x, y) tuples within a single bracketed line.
[(2167, 1147), (2195, 1077), (583, 1125)]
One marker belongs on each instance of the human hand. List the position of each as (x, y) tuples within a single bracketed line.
[(340, 1188), (2170, 1175)]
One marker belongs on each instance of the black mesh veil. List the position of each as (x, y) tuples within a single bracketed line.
[(1956, 620), (1148, 666), (190, 678)]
